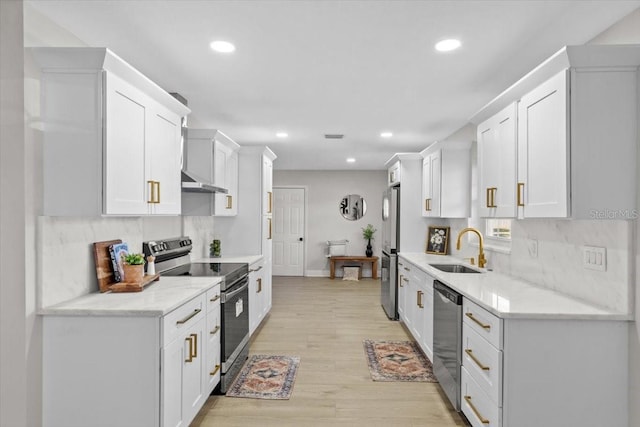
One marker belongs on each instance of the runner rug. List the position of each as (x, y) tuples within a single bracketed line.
[(398, 361), (266, 377)]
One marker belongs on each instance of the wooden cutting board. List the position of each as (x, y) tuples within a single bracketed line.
[(104, 270)]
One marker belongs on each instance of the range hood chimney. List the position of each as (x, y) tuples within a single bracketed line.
[(191, 182)]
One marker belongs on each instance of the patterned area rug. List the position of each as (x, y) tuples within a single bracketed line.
[(398, 361), (266, 377)]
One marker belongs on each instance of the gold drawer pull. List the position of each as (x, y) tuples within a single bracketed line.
[(215, 371), (189, 317), (270, 204), (229, 202), (214, 299), (419, 298), (190, 339), (215, 331), (475, 359), (406, 269), (195, 345), (259, 280), (520, 194), (470, 316), (400, 282), (482, 419)]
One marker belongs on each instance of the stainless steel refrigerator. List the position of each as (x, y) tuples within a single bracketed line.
[(390, 245)]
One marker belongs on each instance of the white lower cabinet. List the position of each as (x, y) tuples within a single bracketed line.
[(415, 304), (131, 370), (258, 295), (519, 372)]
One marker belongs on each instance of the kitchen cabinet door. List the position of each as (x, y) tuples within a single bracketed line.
[(182, 386), (267, 186), (126, 191), (543, 150), (226, 176), (163, 153), (256, 295), (431, 176), (427, 317), (497, 161)]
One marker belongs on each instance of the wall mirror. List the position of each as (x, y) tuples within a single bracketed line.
[(353, 207)]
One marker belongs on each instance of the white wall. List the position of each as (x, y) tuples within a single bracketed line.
[(324, 221), (15, 391), (628, 31)]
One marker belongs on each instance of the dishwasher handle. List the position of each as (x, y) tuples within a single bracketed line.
[(447, 292)]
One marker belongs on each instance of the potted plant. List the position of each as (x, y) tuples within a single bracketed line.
[(367, 233), (133, 267), (214, 248)]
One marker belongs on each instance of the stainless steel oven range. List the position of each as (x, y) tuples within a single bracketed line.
[(172, 259)]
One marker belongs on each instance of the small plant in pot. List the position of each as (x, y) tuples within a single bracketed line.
[(367, 233), (133, 266)]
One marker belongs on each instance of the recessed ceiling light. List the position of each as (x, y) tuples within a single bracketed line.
[(386, 134), (222, 46), (282, 134), (351, 160), (448, 45)]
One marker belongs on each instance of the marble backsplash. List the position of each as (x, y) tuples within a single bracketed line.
[(66, 268), (558, 263)]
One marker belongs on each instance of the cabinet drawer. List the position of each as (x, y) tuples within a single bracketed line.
[(182, 318), (476, 405), (213, 298), (484, 323), (483, 362)]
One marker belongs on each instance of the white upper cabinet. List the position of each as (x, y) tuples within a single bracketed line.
[(577, 133), (497, 160), (225, 175), (543, 145), (111, 137), (446, 180)]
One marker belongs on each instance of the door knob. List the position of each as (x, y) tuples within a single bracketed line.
[(301, 239)]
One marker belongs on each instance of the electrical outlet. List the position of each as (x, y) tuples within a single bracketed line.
[(532, 246), (594, 258)]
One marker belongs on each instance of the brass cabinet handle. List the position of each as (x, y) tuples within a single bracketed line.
[(470, 316), (157, 191), (229, 202), (190, 339), (151, 187), (215, 331), (269, 219), (475, 359), (482, 419), (215, 371), (214, 299), (259, 280), (520, 194), (195, 345), (419, 299), (427, 205), (400, 281), (392, 176), (270, 204), (189, 317), (491, 197), (406, 269)]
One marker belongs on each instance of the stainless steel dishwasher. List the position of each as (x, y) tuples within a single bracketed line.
[(447, 340)]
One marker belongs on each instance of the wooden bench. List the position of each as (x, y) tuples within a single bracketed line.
[(373, 260)]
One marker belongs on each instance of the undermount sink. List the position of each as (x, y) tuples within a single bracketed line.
[(454, 268)]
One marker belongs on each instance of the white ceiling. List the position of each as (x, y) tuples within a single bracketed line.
[(350, 67)]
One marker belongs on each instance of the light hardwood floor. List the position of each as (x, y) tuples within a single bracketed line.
[(324, 322)]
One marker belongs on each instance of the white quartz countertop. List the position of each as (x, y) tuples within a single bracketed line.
[(510, 297), (249, 259), (156, 299)]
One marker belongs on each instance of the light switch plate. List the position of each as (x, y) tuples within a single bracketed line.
[(594, 258)]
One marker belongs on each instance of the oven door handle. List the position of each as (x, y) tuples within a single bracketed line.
[(228, 296)]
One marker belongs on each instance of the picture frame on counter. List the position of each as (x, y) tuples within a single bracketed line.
[(438, 240)]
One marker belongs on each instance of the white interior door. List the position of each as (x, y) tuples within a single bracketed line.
[(288, 231)]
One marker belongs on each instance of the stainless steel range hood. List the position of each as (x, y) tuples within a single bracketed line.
[(192, 179), (193, 184)]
